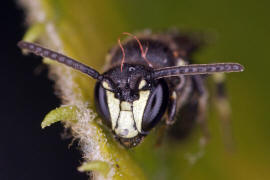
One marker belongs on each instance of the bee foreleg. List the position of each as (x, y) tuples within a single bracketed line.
[(202, 107), (169, 119), (223, 107), (171, 109)]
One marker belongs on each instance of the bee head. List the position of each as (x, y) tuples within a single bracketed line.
[(130, 101)]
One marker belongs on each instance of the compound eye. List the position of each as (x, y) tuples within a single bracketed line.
[(101, 103), (156, 106)]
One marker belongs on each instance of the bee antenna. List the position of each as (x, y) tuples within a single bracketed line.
[(47, 53), (196, 69)]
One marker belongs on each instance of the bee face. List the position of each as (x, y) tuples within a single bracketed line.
[(129, 102)]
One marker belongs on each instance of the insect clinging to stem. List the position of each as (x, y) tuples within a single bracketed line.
[(149, 78)]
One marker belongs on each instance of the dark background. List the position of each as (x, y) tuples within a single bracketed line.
[(26, 151)]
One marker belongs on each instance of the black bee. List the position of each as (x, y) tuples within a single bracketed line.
[(147, 78)]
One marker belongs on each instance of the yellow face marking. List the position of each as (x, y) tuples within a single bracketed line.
[(138, 108), (125, 106), (125, 122), (114, 107), (142, 84), (106, 85), (125, 125)]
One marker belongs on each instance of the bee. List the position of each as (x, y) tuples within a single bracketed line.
[(147, 78)]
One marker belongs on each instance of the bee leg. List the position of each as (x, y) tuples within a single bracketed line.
[(202, 108), (169, 119), (175, 103), (171, 109), (224, 110)]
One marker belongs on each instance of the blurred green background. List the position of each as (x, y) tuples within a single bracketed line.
[(241, 30)]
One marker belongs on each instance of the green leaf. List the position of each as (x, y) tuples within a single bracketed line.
[(100, 166), (64, 113)]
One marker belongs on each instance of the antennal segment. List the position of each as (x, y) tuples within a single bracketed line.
[(195, 69), (44, 52)]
